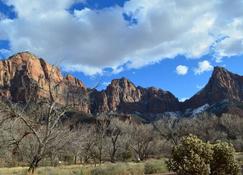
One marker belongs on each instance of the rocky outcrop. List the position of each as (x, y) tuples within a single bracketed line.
[(20, 74), (223, 85), (24, 75), (123, 96)]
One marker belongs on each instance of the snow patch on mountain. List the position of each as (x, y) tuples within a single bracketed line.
[(200, 109)]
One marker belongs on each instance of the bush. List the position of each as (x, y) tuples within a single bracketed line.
[(193, 156), (156, 166), (223, 161)]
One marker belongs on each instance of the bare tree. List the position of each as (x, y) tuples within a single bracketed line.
[(114, 132), (100, 135), (41, 119), (168, 128), (141, 137)]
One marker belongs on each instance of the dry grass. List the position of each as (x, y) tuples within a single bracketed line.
[(156, 166)]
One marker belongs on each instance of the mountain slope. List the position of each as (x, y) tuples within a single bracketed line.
[(124, 97), (121, 96), (222, 94), (20, 71)]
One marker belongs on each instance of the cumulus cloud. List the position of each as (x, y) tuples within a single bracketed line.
[(181, 70), (92, 40), (233, 45), (87, 70), (203, 66)]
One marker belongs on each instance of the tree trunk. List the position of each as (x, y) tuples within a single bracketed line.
[(34, 165), (75, 159), (113, 154)]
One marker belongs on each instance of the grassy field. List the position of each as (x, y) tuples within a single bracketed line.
[(148, 167)]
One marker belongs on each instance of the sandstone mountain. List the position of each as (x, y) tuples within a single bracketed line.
[(18, 73), (123, 96), (223, 93)]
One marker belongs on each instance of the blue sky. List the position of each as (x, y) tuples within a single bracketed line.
[(161, 43)]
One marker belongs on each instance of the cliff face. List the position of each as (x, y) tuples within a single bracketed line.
[(223, 85), (18, 74), (123, 96)]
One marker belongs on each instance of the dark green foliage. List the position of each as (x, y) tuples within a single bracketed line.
[(193, 156), (223, 161)]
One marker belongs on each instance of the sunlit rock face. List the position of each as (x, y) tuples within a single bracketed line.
[(223, 85), (123, 96), (18, 74)]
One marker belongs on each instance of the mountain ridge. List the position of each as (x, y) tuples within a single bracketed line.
[(121, 95)]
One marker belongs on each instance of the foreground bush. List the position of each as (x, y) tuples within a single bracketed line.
[(193, 156), (223, 161)]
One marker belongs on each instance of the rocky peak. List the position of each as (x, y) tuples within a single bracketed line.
[(223, 85), (121, 91), (74, 81), (123, 83), (18, 72), (35, 68), (121, 96), (222, 76), (125, 97)]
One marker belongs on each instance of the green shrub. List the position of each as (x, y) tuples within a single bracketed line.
[(193, 156), (223, 161)]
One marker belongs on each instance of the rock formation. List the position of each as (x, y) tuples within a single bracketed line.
[(223, 85), (18, 74)]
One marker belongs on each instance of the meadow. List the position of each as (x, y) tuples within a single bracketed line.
[(131, 168)]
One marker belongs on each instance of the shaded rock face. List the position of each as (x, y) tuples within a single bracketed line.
[(223, 85), (123, 96)]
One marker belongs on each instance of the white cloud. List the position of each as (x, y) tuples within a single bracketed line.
[(233, 44), (87, 70), (203, 66), (105, 84), (91, 40), (183, 99), (181, 70)]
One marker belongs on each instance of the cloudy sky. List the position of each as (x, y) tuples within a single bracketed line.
[(171, 44)]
